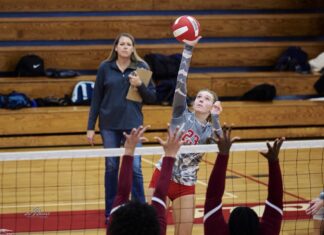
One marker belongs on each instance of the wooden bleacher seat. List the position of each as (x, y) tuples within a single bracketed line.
[(236, 84), (129, 5), (40, 87), (88, 57), (66, 126), (225, 84), (107, 27)]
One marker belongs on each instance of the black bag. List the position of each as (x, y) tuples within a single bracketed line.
[(262, 92), (293, 59), (53, 101), (61, 73), (30, 66), (164, 67), (319, 85), (165, 92)]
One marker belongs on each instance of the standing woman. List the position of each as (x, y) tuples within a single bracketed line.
[(198, 126), (117, 114)]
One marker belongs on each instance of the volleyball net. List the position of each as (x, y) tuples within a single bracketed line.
[(63, 191)]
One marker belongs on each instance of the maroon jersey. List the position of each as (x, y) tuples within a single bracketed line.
[(159, 196), (214, 222)]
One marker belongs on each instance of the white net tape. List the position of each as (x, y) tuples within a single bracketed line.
[(91, 153)]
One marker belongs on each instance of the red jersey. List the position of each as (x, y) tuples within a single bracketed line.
[(214, 222), (159, 196)]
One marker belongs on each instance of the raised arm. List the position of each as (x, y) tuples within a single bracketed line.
[(215, 112), (180, 95), (179, 100), (171, 146), (214, 222), (272, 216), (126, 171)]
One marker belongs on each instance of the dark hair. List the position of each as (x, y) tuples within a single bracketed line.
[(134, 218), (243, 221)]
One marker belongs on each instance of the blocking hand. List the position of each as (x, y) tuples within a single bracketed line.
[(173, 142), (273, 151), (133, 138), (225, 142)]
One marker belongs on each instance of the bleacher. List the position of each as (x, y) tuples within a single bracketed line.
[(241, 42)]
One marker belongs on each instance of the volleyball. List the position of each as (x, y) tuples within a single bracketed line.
[(186, 28)]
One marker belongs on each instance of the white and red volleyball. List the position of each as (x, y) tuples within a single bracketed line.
[(186, 28)]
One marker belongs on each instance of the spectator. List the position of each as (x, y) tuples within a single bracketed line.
[(116, 113)]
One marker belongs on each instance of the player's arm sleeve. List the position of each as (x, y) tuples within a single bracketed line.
[(124, 182), (97, 96), (216, 124), (272, 216), (159, 196), (179, 100), (213, 216)]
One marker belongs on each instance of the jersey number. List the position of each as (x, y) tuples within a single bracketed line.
[(190, 137)]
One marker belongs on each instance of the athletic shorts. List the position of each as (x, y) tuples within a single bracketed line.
[(175, 190)]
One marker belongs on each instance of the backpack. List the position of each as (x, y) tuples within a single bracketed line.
[(293, 59), (319, 85), (61, 73), (165, 92), (82, 93), (2, 101), (164, 67), (53, 101), (14, 100), (262, 92), (30, 66)]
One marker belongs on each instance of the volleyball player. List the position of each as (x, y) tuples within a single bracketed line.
[(128, 218), (243, 220), (197, 129)]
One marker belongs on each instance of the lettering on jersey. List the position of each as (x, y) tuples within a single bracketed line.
[(190, 137)]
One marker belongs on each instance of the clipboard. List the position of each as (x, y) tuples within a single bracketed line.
[(145, 75)]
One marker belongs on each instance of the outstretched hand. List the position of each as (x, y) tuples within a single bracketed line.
[(173, 142), (273, 151), (133, 138), (225, 142), (192, 43), (217, 108), (314, 206)]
